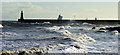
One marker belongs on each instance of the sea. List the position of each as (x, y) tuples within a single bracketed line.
[(16, 35)]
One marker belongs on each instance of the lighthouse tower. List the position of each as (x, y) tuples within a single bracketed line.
[(60, 17), (21, 17)]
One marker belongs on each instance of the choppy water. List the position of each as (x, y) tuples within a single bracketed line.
[(16, 35)]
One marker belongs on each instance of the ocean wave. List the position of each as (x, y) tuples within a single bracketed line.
[(81, 38), (67, 36), (85, 23), (75, 36), (60, 48), (9, 34), (54, 28)]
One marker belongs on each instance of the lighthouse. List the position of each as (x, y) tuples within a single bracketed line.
[(60, 17), (21, 17)]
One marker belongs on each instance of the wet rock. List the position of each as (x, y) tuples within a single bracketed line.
[(5, 54), (93, 28), (102, 29), (52, 39), (38, 53), (23, 53), (76, 46), (111, 28), (67, 39)]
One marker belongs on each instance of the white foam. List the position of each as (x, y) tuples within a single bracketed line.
[(60, 48), (115, 31), (78, 37), (9, 34), (46, 23), (85, 23), (64, 32), (1, 26), (54, 27), (66, 48)]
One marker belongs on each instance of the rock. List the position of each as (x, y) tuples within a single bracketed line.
[(22, 53), (38, 53), (67, 39), (111, 28), (102, 29), (76, 46), (5, 54), (54, 38), (93, 28)]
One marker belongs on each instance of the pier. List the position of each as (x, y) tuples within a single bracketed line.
[(60, 20)]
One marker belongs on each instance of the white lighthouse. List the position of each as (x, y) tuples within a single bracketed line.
[(60, 17)]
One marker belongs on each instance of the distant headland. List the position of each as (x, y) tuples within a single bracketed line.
[(60, 20)]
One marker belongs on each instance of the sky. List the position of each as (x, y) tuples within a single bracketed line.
[(11, 10), (59, 0)]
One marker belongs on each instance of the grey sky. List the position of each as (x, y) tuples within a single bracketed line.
[(59, 0), (11, 10)]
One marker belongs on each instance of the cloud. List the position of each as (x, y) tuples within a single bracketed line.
[(60, 0), (47, 10), (11, 9)]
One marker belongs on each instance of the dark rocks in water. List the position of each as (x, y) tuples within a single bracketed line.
[(59, 49), (5, 54), (67, 39), (106, 29), (112, 29), (93, 28), (23, 53), (102, 29), (54, 38), (76, 46), (38, 53)]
